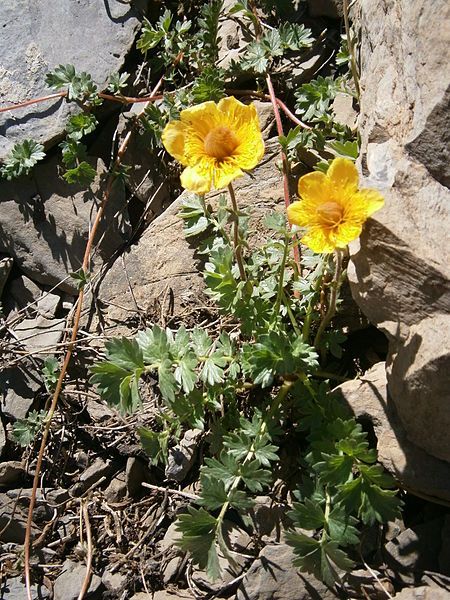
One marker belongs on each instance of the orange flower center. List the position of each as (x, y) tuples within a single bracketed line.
[(330, 213), (220, 142)]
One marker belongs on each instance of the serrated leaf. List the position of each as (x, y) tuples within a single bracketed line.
[(185, 373), (342, 527), (80, 125), (307, 515), (335, 469), (166, 380), (198, 529), (154, 344), (22, 158), (369, 502), (201, 342), (321, 558), (124, 353), (154, 444), (82, 174), (213, 493), (25, 430)]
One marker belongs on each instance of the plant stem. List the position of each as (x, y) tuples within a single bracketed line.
[(281, 277), (291, 315), (250, 454), (351, 50), (285, 162), (76, 323), (335, 284), (236, 240)]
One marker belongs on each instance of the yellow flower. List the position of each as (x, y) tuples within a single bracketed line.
[(332, 208), (215, 142)]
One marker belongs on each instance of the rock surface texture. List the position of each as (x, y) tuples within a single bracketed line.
[(29, 49), (400, 268), (44, 223)]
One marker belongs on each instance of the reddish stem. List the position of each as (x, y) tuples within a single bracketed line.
[(285, 162)]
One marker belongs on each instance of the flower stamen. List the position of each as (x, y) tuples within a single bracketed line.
[(330, 214), (220, 143)]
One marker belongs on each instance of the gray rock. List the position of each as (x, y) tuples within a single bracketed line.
[(44, 223), (114, 581), (269, 518), (136, 472), (13, 521), (11, 471), (25, 59), (343, 110), (39, 334), (20, 293), (68, 583), (116, 490), (422, 593), (2, 438), (162, 268), (18, 387), (420, 377), (366, 584), (147, 178), (14, 589), (273, 577), (400, 268), (414, 551), (98, 411), (182, 456), (91, 475), (5, 269), (414, 468)]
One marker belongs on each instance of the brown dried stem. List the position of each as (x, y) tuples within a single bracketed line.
[(76, 323)]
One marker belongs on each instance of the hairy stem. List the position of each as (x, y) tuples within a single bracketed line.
[(236, 237), (335, 284)]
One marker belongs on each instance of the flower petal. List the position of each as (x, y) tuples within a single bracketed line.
[(297, 214), (346, 233), (343, 175), (194, 180), (202, 117), (225, 172), (318, 241), (174, 140), (373, 199), (314, 188), (237, 113)]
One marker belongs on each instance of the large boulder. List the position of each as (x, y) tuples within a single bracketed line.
[(400, 267), (45, 223), (36, 37), (159, 276)]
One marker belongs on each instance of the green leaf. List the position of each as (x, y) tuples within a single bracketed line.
[(154, 444), (295, 36), (347, 149), (117, 82), (335, 469), (185, 373), (255, 58), (341, 527), (166, 380), (198, 530), (154, 344), (368, 501), (214, 494), (80, 86), (201, 342), (314, 98), (212, 371), (50, 372), (22, 159), (124, 353), (83, 174), (73, 152), (209, 85), (321, 558), (150, 37), (80, 277), (307, 515), (25, 430), (80, 125)]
